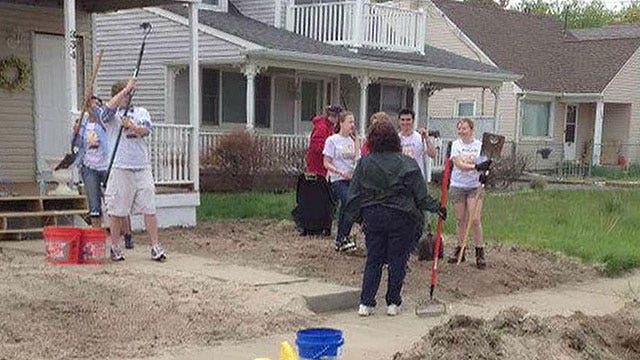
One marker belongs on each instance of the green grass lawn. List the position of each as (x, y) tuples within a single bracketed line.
[(597, 226)]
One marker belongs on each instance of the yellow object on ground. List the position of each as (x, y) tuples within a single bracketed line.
[(287, 352)]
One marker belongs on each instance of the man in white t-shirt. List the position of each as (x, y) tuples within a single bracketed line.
[(413, 142), (130, 187)]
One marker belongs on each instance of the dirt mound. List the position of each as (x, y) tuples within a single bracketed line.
[(275, 245), (516, 335), (128, 310)]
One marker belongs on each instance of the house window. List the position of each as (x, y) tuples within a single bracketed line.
[(466, 108), (263, 101), (311, 91), (215, 5), (234, 99), (210, 97), (392, 99), (224, 94), (536, 118)]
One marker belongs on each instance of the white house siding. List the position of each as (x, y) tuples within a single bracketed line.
[(120, 36), (17, 139), (441, 33), (624, 89), (261, 10), (615, 132)]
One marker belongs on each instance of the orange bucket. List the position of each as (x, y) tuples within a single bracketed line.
[(62, 244), (92, 246)]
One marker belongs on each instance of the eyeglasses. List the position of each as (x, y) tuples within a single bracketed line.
[(406, 119)]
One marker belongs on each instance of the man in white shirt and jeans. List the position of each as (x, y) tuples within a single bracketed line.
[(131, 187)]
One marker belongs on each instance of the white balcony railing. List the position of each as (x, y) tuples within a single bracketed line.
[(360, 23), (170, 155)]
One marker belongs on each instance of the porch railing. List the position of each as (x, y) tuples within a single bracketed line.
[(360, 23), (170, 154)]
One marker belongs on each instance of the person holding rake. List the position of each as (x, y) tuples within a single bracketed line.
[(466, 190)]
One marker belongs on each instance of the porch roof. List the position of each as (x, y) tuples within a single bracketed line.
[(276, 40), (97, 5)]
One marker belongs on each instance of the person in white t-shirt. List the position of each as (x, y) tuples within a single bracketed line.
[(130, 186), (415, 144), (339, 152), (466, 191)]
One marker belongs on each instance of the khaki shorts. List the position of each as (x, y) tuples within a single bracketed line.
[(130, 192), (462, 194)]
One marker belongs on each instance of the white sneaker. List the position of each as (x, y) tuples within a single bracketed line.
[(393, 310), (365, 310), (157, 253)]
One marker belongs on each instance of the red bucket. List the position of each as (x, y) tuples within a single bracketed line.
[(92, 246), (62, 244)]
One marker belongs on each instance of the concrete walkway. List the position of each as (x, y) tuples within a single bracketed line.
[(378, 336), (381, 336)]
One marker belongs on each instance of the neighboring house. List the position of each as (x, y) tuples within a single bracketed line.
[(578, 94), (258, 75), (52, 41)]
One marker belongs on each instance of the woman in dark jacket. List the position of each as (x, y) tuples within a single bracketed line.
[(388, 196)]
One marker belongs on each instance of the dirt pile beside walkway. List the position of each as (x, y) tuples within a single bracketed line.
[(276, 246), (516, 335), (136, 308)]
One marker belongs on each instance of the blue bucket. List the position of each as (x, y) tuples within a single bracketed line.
[(318, 343)]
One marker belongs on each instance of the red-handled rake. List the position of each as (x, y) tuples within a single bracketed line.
[(434, 307)]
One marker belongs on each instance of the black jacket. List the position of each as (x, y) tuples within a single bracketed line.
[(389, 179)]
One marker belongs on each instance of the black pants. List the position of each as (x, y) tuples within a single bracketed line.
[(389, 235)]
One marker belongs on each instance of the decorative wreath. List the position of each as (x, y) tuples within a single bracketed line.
[(10, 66)]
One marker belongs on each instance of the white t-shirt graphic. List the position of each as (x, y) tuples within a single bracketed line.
[(413, 146), (342, 151), (470, 154)]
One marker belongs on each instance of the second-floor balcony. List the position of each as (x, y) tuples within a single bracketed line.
[(359, 23)]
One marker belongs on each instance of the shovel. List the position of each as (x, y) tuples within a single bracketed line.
[(435, 307), (70, 157)]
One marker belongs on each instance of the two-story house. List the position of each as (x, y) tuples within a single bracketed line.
[(578, 93), (270, 65), (45, 60)]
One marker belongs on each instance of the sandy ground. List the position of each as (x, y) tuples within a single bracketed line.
[(517, 335), (277, 246), (140, 308), (127, 310)]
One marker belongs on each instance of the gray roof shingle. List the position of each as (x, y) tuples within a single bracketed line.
[(626, 31), (537, 47), (273, 38)]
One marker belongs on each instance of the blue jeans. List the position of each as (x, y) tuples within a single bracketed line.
[(389, 235), (93, 180), (340, 191)]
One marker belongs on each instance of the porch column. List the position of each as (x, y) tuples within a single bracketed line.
[(70, 45), (250, 71), (430, 90), (194, 96), (364, 82), (496, 113), (358, 26), (417, 88), (597, 133)]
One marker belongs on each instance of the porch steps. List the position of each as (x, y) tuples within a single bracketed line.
[(23, 217)]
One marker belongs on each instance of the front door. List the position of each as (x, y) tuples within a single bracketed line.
[(570, 124), (52, 118)]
